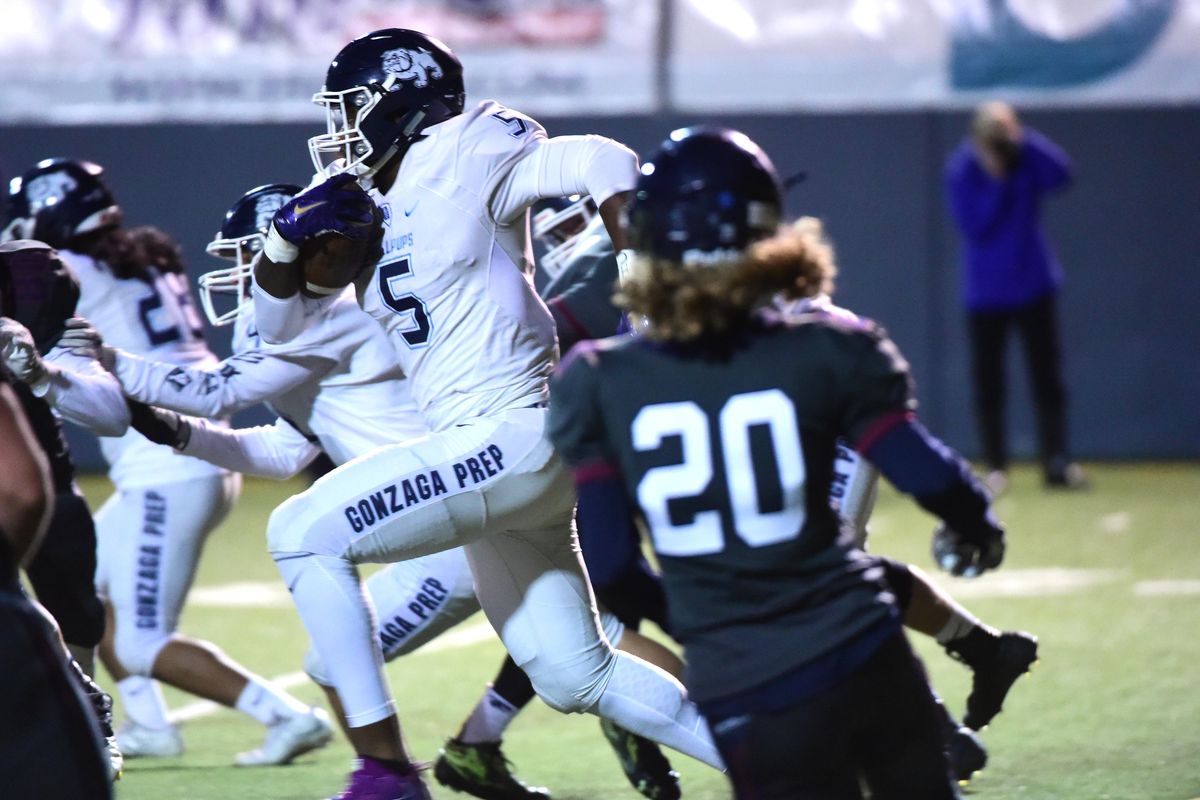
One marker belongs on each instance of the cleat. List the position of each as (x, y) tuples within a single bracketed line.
[(481, 770), (138, 741), (1014, 654), (288, 739), (965, 753), (644, 764), (372, 780)]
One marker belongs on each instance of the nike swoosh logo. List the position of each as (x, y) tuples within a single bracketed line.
[(302, 210), (408, 211)]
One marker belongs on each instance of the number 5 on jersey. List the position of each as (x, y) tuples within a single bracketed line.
[(770, 409), (415, 323)]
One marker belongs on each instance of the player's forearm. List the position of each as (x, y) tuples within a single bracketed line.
[(917, 463), (278, 311), (267, 451), (84, 394)]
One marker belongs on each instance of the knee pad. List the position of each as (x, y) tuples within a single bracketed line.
[(571, 687), (282, 535), (900, 580), (137, 651), (314, 667)]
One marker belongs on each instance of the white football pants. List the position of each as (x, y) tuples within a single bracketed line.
[(854, 490), (149, 541), (496, 486)]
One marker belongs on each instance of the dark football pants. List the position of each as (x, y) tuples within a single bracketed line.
[(1038, 327), (50, 747), (63, 573), (879, 724)]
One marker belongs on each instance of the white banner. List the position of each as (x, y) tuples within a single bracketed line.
[(113, 61), (772, 55)]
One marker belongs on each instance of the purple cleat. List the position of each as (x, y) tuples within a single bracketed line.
[(374, 780)]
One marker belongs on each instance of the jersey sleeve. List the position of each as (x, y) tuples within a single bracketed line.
[(576, 419), (559, 167), (83, 393), (878, 389), (236, 383), (583, 308), (276, 451)]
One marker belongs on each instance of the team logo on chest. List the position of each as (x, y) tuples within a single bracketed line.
[(408, 65)]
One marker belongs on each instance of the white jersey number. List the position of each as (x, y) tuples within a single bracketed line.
[(415, 326), (770, 409)]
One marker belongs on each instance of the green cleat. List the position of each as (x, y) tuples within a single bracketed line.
[(482, 771), (644, 764)]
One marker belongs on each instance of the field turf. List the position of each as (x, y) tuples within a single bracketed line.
[(1109, 579)]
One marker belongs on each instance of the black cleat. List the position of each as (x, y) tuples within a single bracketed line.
[(482, 771), (1011, 656), (644, 764), (965, 752)]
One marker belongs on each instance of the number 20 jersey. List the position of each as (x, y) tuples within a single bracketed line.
[(729, 459)]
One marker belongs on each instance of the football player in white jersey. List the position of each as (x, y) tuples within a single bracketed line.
[(323, 406), (478, 346), (151, 530)]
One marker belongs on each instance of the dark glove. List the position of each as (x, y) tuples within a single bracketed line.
[(965, 558), (159, 425), (337, 206)]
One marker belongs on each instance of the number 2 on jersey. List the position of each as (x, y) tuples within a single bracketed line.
[(415, 325), (167, 314), (703, 535)]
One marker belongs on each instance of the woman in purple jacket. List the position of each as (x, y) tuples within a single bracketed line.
[(995, 182)]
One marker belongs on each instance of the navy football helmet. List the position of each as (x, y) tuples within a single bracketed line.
[(706, 195), (240, 239), (37, 290), (380, 92), (58, 200)]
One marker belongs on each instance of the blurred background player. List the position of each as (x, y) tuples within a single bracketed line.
[(49, 745), (478, 346), (151, 531), (793, 644), (995, 184)]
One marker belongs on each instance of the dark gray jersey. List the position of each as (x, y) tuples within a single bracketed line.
[(580, 297), (729, 459)]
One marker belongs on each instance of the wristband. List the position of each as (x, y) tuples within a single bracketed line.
[(279, 249)]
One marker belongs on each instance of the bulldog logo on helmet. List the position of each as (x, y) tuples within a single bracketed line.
[(46, 190), (417, 66), (265, 208)]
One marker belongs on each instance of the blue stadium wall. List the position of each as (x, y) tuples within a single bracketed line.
[(1128, 234)]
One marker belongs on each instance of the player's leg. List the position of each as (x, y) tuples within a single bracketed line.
[(989, 334), (854, 490), (1040, 334)]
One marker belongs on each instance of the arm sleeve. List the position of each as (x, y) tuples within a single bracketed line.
[(1050, 164), (276, 451), (83, 393), (976, 202), (562, 166), (234, 384), (278, 319)]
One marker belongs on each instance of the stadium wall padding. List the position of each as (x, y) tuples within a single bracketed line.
[(1128, 233)]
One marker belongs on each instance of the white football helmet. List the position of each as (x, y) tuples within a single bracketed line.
[(558, 228)]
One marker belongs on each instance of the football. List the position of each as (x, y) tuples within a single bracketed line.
[(331, 262)]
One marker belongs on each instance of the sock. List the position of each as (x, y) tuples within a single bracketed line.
[(387, 765), (489, 719), (959, 625), (645, 700), (267, 703), (513, 684), (143, 701)]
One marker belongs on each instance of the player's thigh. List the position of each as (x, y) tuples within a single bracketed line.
[(796, 753), (427, 495), (418, 600), (535, 593)]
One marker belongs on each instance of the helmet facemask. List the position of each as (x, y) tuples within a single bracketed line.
[(365, 127), (234, 281), (561, 232)]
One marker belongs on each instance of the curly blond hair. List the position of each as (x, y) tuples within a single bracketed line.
[(679, 302)]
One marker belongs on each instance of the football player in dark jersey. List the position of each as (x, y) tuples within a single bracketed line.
[(718, 428)]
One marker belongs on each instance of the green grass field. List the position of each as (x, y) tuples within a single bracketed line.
[(1109, 579)]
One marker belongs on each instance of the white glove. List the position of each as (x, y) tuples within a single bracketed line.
[(20, 355), (81, 338)]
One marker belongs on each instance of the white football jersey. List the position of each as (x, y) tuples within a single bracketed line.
[(337, 383), (157, 320), (452, 289)]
